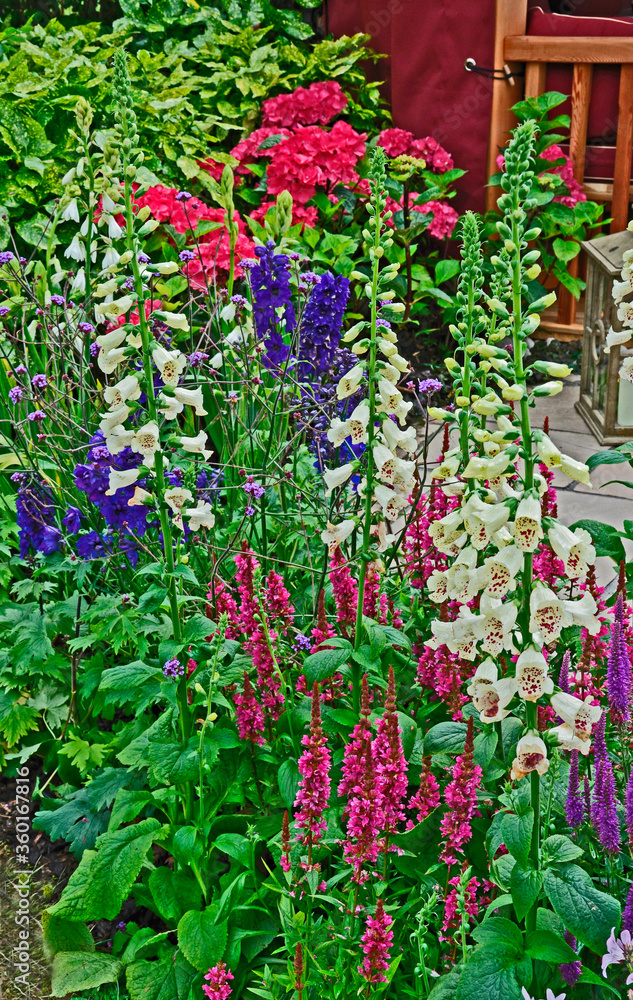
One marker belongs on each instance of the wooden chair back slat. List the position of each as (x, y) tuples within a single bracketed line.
[(543, 48), (623, 151)]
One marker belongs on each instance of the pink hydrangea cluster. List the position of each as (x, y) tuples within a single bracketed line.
[(313, 157), (399, 142), (218, 979), (444, 219), (317, 104), (461, 799), (564, 170), (211, 260), (376, 943)]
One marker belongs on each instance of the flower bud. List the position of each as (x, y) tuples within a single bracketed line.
[(548, 389)]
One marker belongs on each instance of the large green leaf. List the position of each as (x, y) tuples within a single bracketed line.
[(493, 973), (548, 947), (445, 737), (81, 970), (202, 938), (132, 683), (169, 978), (517, 834), (588, 913), (323, 664), (65, 935), (525, 886)]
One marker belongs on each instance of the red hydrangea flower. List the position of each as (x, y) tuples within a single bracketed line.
[(399, 142), (248, 150), (313, 105)]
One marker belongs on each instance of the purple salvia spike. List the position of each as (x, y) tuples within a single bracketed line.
[(619, 669), (574, 807), (563, 677)]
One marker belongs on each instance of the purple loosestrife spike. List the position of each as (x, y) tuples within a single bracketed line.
[(604, 804), (629, 813), (314, 784), (627, 915), (571, 971), (619, 670), (376, 942), (563, 677), (389, 762), (574, 807), (218, 979), (461, 798)]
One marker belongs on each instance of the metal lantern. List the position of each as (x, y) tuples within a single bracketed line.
[(606, 400)]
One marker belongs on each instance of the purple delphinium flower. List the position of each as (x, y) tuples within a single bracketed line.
[(35, 517), (186, 255), (270, 281), (36, 415), (319, 403), (39, 381), (16, 393), (72, 520), (6, 256), (173, 668), (58, 300), (571, 971), (604, 805), (427, 386), (92, 546), (92, 478), (321, 324), (619, 670), (574, 807)]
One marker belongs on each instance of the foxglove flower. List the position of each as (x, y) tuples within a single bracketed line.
[(490, 694), (531, 755), (532, 677), (579, 718)]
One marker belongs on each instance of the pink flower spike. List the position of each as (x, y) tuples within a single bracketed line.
[(376, 942), (391, 767), (218, 977), (314, 784), (249, 714), (461, 798)]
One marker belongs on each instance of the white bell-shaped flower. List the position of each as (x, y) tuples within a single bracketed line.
[(500, 571), (528, 529), (333, 535), (532, 675), (531, 755), (579, 718), (491, 695), (574, 548)]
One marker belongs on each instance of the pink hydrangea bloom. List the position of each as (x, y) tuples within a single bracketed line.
[(566, 172), (218, 978), (313, 105), (436, 157), (376, 943), (395, 141), (314, 158), (444, 218)]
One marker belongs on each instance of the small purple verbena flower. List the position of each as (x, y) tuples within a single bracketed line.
[(183, 196), (310, 278), (85, 327), (23, 260), (255, 489), (94, 349), (39, 381), (129, 284), (295, 256), (429, 385), (36, 415), (383, 322), (142, 258), (197, 358), (4, 310), (303, 642), (238, 300), (233, 397), (121, 926), (249, 511), (6, 256), (20, 370), (58, 300), (18, 477), (173, 668), (248, 264), (186, 255), (16, 393)]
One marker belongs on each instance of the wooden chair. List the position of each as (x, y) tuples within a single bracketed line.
[(514, 47)]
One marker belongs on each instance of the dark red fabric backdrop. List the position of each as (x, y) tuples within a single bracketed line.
[(427, 42)]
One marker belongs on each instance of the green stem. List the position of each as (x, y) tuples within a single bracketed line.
[(369, 487)]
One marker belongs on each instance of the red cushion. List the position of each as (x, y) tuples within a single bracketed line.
[(603, 110)]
